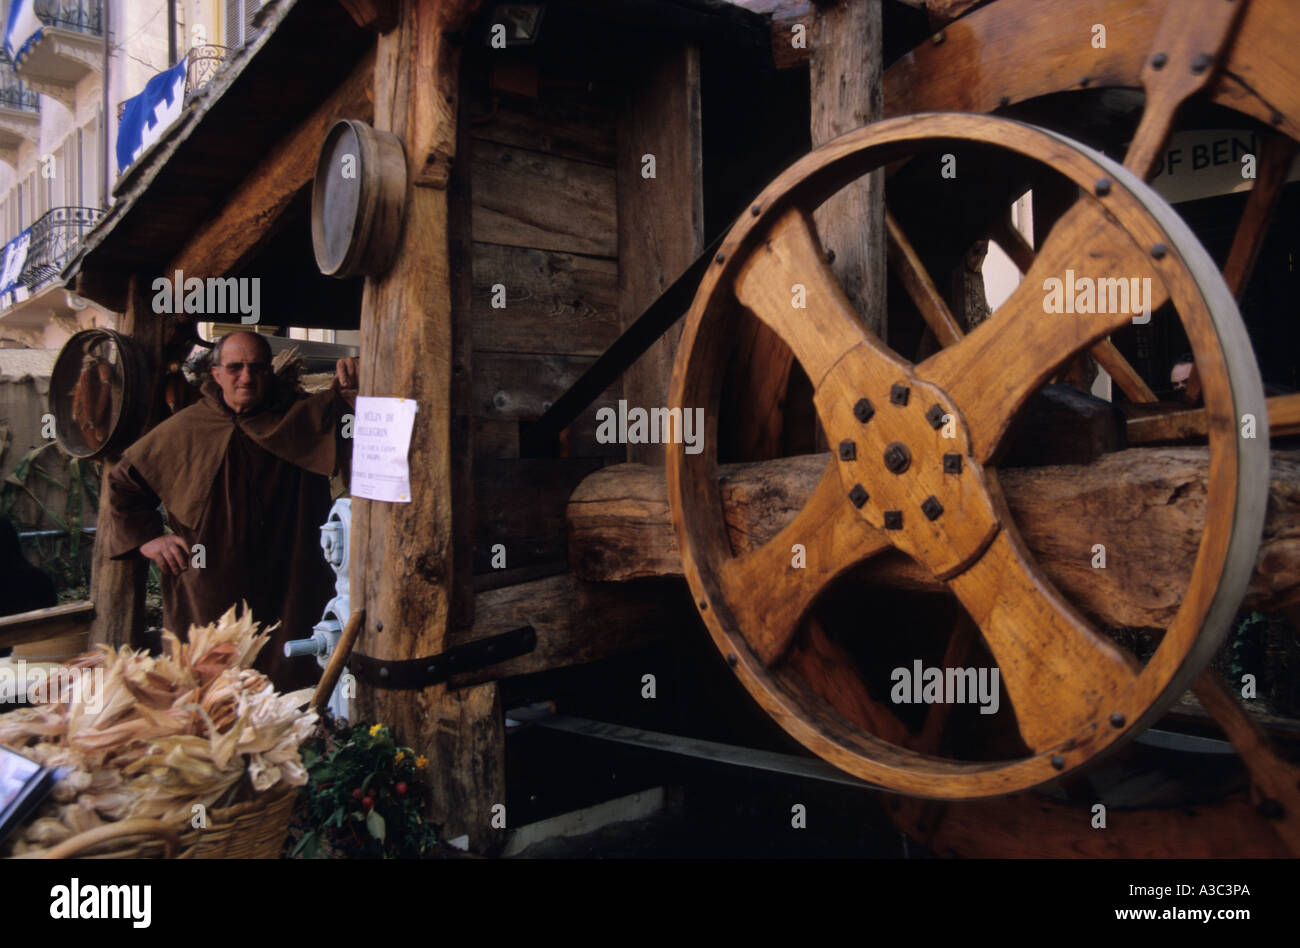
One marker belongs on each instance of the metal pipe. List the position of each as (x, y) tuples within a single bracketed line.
[(103, 122), (50, 533), (171, 32)]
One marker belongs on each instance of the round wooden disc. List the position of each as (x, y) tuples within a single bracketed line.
[(98, 393), (358, 198)]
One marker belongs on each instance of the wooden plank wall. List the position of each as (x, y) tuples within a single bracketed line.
[(544, 226)]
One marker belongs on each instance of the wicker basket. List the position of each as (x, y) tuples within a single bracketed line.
[(252, 830)]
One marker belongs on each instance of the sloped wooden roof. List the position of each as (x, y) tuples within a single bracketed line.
[(306, 49)]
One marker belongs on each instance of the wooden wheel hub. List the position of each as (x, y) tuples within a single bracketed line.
[(911, 469), (897, 478)]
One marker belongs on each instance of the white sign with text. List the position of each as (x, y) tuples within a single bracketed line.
[(381, 444)]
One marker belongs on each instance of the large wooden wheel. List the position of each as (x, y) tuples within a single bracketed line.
[(912, 449)]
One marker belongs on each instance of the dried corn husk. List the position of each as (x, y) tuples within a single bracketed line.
[(163, 734)]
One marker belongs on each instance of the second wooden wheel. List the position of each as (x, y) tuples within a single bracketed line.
[(912, 452)]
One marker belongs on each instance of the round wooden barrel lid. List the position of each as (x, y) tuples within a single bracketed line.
[(98, 393), (357, 200)]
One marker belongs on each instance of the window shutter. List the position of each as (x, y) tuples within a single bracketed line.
[(250, 10), (233, 26)]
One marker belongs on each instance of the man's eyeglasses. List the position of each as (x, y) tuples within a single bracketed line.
[(254, 368)]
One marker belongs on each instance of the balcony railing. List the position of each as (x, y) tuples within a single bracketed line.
[(81, 16), (56, 235), (204, 63), (14, 93)]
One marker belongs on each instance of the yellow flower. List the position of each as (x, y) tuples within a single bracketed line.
[(421, 762), (375, 729), (399, 756)]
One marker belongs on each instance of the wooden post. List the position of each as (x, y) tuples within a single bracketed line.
[(845, 85), (117, 587), (845, 92), (660, 218), (403, 554)]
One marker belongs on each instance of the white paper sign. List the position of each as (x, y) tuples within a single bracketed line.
[(381, 442)]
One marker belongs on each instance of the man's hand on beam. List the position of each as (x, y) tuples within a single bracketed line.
[(346, 374)]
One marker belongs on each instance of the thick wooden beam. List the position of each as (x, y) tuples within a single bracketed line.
[(845, 88), (1283, 421), (225, 243), (660, 218), (402, 569), (576, 622), (1145, 505), (377, 15)]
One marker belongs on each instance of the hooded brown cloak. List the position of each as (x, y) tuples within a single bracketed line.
[(253, 491)]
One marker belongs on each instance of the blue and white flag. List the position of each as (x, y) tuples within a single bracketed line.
[(23, 31), (146, 116), (15, 258)]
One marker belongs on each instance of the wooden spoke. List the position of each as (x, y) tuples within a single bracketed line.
[(1182, 62), (911, 272), (788, 269), (1276, 782), (991, 372), (1121, 370), (964, 636), (1013, 243), (769, 594), (1058, 673), (1270, 177), (1107, 356), (831, 672)]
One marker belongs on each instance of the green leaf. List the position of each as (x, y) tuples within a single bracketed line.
[(375, 825), (307, 838)]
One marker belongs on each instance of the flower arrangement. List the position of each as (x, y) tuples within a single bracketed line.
[(365, 797)]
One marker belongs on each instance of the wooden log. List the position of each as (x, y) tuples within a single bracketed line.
[(660, 218), (247, 221), (1145, 505), (403, 554)]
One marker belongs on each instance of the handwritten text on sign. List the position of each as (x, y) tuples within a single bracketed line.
[(381, 443)]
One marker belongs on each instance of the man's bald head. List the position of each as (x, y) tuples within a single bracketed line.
[(241, 365), (264, 347)]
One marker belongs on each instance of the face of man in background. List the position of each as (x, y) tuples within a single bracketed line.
[(243, 372), (1186, 382)]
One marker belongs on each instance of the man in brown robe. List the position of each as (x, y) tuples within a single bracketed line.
[(244, 477)]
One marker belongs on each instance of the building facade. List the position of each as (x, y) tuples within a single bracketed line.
[(63, 92)]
